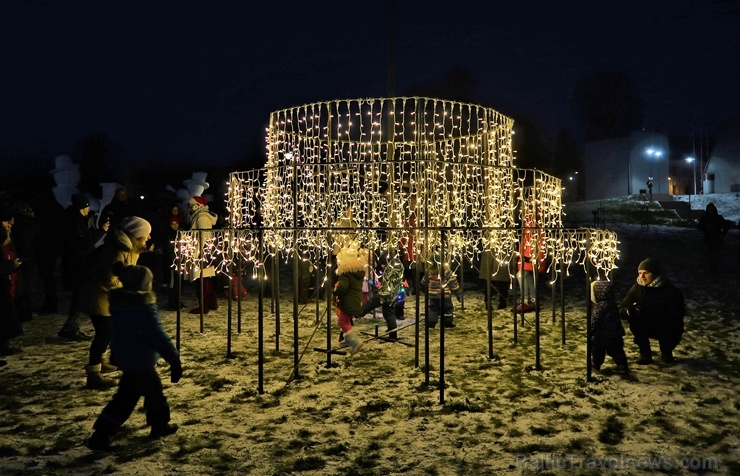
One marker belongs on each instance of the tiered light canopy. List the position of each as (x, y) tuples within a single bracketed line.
[(424, 172)]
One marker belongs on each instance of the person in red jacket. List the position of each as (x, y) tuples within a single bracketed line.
[(531, 251)]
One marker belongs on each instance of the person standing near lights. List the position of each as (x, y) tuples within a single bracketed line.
[(10, 252), (437, 283), (124, 243), (203, 219), (10, 323), (528, 256), (119, 207), (78, 240), (715, 227)]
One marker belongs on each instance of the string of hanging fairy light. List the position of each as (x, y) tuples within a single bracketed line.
[(393, 171)]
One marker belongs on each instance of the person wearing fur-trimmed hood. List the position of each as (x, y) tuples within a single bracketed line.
[(654, 309), (139, 339), (351, 264)]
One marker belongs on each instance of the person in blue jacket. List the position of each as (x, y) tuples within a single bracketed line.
[(139, 339)]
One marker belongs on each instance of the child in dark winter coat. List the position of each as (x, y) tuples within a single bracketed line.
[(606, 327), (138, 341), (389, 296), (435, 284), (351, 264)]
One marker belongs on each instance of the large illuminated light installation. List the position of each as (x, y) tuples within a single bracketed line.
[(448, 164), (437, 175)]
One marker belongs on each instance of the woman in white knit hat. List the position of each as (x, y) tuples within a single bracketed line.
[(124, 243)]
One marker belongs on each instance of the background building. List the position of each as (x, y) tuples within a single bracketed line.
[(618, 167)]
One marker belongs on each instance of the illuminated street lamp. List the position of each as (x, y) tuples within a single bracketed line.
[(692, 160)]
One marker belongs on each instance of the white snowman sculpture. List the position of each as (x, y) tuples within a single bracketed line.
[(67, 177), (195, 187)]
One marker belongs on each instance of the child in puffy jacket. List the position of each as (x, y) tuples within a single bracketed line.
[(138, 341), (435, 284), (351, 264), (389, 296), (606, 327)]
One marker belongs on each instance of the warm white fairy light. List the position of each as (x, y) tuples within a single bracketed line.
[(447, 164)]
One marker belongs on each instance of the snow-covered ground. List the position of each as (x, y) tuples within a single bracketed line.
[(379, 412)]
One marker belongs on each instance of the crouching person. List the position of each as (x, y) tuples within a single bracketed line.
[(138, 341), (654, 309)]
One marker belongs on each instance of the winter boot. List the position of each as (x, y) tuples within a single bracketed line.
[(595, 365), (393, 335), (106, 368), (353, 341), (645, 358), (622, 369), (99, 441), (97, 381), (159, 431)]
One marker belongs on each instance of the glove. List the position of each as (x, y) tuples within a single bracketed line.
[(633, 310), (459, 297), (175, 371)]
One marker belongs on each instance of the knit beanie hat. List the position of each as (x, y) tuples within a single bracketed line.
[(135, 278), (136, 227), (79, 201), (650, 265)]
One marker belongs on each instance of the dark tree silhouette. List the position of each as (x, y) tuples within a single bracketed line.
[(568, 156), (531, 151), (606, 103), (96, 152), (457, 84), (568, 162)]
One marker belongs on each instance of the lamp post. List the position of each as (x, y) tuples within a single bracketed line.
[(692, 161), (657, 154)]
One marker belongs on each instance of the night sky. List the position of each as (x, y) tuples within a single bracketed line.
[(195, 82)]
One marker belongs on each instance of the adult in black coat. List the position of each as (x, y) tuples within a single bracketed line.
[(654, 309), (48, 249), (25, 232), (78, 243), (715, 227), (119, 208)]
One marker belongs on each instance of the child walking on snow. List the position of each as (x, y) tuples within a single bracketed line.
[(351, 264), (138, 340)]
